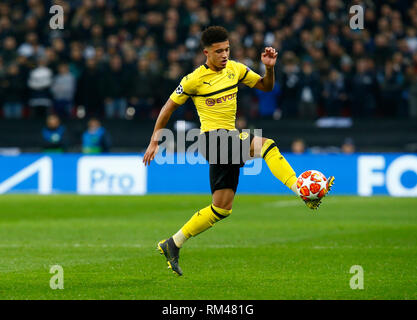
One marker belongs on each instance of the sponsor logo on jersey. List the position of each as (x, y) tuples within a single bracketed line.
[(211, 102)]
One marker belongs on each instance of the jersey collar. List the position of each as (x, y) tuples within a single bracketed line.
[(208, 68)]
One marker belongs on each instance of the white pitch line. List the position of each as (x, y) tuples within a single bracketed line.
[(283, 203), (294, 203), (362, 247)]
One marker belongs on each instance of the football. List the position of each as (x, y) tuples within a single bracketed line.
[(311, 184)]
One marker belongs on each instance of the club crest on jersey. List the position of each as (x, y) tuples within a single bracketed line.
[(179, 90), (243, 135), (230, 75)]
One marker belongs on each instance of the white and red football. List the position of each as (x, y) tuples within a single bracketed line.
[(311, 184)]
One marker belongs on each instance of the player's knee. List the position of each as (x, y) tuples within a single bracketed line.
[(221, 213), (268, 146)]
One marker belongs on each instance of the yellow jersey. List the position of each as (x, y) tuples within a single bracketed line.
[(214, 93)]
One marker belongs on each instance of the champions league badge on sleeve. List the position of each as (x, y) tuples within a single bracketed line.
[(179, 90)]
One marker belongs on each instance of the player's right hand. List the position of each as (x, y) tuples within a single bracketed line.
[(150, 152)]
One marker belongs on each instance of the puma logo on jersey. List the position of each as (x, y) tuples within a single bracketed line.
[(207, 83)]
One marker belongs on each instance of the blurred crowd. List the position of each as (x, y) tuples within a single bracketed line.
[(123, 58), (299, 146)]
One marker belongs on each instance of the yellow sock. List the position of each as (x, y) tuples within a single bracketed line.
[(204, 219), (278, 165)]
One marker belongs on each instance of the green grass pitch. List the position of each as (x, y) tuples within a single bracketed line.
[(271, 247)]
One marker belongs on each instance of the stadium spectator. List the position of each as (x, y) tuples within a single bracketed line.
[(95, 139), (290, 82), (298, 146), (169, 83), (364, 91), (346, 69), (89, 90), (115, 83), (39, 83), (268, 102), (309, 91), (3, 71), (348, 146), (334, 93), (391, 83), (383, 51), (77, 64), (54, 135), (31, 48), (14, 90), (60, 49), (411, 85), (8, 52), (241, 123), (141, 89), (63, 90)]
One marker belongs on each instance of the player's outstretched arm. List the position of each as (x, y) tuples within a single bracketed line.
[(163, 118), (268, 58)]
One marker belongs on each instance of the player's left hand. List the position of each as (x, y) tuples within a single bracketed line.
[(269, 57)]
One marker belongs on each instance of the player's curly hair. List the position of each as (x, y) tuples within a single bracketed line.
[(212, 35)]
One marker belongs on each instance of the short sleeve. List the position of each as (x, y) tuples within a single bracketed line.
[(247, 76), (183, 91)]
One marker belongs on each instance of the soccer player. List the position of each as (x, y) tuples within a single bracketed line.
[(213, 89)]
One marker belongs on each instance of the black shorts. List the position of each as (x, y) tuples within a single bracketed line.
[(226, 151)]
